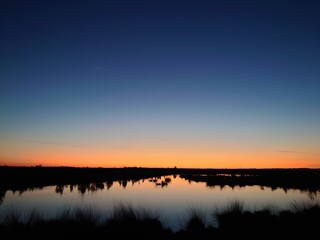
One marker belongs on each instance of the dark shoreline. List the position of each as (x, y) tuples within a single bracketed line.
[(234, 221), (17, 178)]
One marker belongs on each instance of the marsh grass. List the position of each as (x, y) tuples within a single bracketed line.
[(124, 212), (230, 214), (12, 216), (302, 217), (33, 218), (132, 222), (64, 214), (87, 216), (127, 219), (300, 207), (196, 220)]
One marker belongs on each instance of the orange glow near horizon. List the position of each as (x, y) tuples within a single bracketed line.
[(162, 158), (160, 155), (203, 85)]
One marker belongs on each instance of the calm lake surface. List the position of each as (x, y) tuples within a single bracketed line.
[(171, 201)]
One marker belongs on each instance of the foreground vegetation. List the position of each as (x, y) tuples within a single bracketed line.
[(127, 222)]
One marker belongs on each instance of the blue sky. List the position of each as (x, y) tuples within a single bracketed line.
[(118, 71)]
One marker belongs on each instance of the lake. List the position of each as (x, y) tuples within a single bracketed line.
[(170, 198)]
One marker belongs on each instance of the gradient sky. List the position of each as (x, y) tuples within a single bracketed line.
[(160, 83)]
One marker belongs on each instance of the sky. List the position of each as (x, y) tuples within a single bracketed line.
[(204, 84)]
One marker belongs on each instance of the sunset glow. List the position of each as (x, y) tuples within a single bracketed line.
[(160, 157), (170, 83)]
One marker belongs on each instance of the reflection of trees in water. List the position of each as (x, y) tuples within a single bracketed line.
[(100, 185), (135, 181), (82, 188), (161, 181), (90, 187), (21, 191), (2, 195), (59, 189), (123, 183), (24, 189), (109, 184), (312, 195), (93, 187), (158, 181)]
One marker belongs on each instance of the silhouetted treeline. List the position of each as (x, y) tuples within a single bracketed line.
[(15, 178), (302, 179), (22, 178)]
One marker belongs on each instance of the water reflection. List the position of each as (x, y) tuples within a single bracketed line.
[(93, 187), (161, 182), (171, 196), (242, 180), (2, 196)]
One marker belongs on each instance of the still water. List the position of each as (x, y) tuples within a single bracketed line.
[(170, 198)]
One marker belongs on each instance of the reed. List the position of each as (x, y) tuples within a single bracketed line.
[(131, 222)]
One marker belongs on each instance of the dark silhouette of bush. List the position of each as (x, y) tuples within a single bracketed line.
[(126, 222)]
